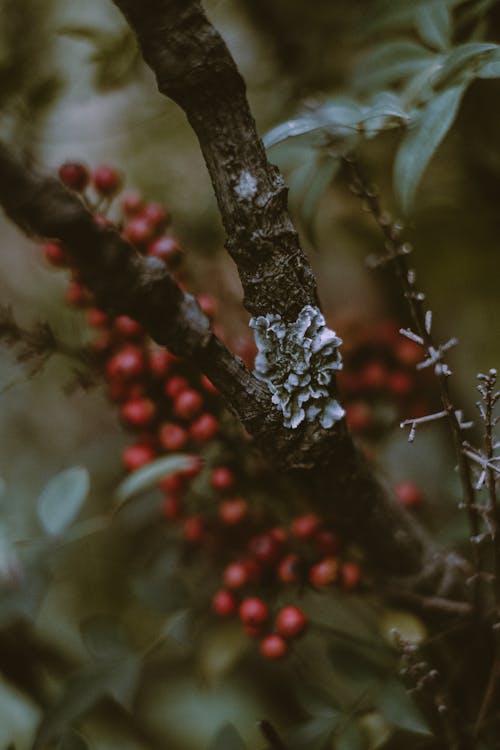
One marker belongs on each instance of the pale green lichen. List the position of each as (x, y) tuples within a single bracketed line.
[(297, 361)]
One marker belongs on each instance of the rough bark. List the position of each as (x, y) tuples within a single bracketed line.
[(194, 67)]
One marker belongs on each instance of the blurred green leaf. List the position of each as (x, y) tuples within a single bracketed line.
[(115, 56), (421, 142), (62, 499), (349, 738), (227, 738), (72, 741), (117, 679), (161, 587), (104, 638), (397, 707), (148, 476), (433, 22), (462, 59), (314, 733), (391, 62)]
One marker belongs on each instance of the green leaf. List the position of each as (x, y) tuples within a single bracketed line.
[(83, 691), (391, 62), (349, 738), (62, 498), (104, 638), (397, 707), (161, 587), (422, 141), (463, 59), (314, 733), (433, 22), (227, 738), (72, 741), (491, 67), (338, 117), (312, 193), (148, 476)]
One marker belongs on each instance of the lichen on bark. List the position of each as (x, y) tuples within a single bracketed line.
[(297, 361)]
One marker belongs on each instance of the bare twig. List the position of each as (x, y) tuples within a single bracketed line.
[(397, 253)]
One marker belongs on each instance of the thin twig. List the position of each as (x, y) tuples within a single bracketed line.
[(397, 254)]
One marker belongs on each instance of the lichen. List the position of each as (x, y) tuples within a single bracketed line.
[(247, 185), (297, 361)]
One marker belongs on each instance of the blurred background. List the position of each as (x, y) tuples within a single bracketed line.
[(73, 87)]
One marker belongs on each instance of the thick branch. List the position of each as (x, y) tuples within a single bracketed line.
[(194, 68), (123, 281)]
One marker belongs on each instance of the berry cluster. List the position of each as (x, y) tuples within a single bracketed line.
[(219, 506), (379, 383)]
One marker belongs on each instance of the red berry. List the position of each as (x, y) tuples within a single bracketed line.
[(138, 412), (222, 478), (172, 436), (165, 248), (409, 353), (327, 542), (74, 175), (233, 511), (171, 507), (55, 254), (304, 527), (278, 534), (252, 630), (192, 468), (223, 603), (358, 416), (188, 404), (126, 364), (77, 295), (350, 574), (172, 483), (208, 304), (400, 383), (193, 529), (408, 494), (107, 180), (175, 385), (288, 569), (291, 622), (236, 575), (102, 221), (97, 318), (138, 455), (253, 611), (207, 385), (373, 375), (273, 646), (156, 214), (127, 327), (132, 203), (325, 572), (160, 362), (264, 548), (204, 429), (139, 230), (102, 343)]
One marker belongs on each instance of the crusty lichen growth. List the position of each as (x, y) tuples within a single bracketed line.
[(297, 361)]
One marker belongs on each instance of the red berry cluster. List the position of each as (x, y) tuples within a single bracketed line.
[(379, 383), (212, 506)]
